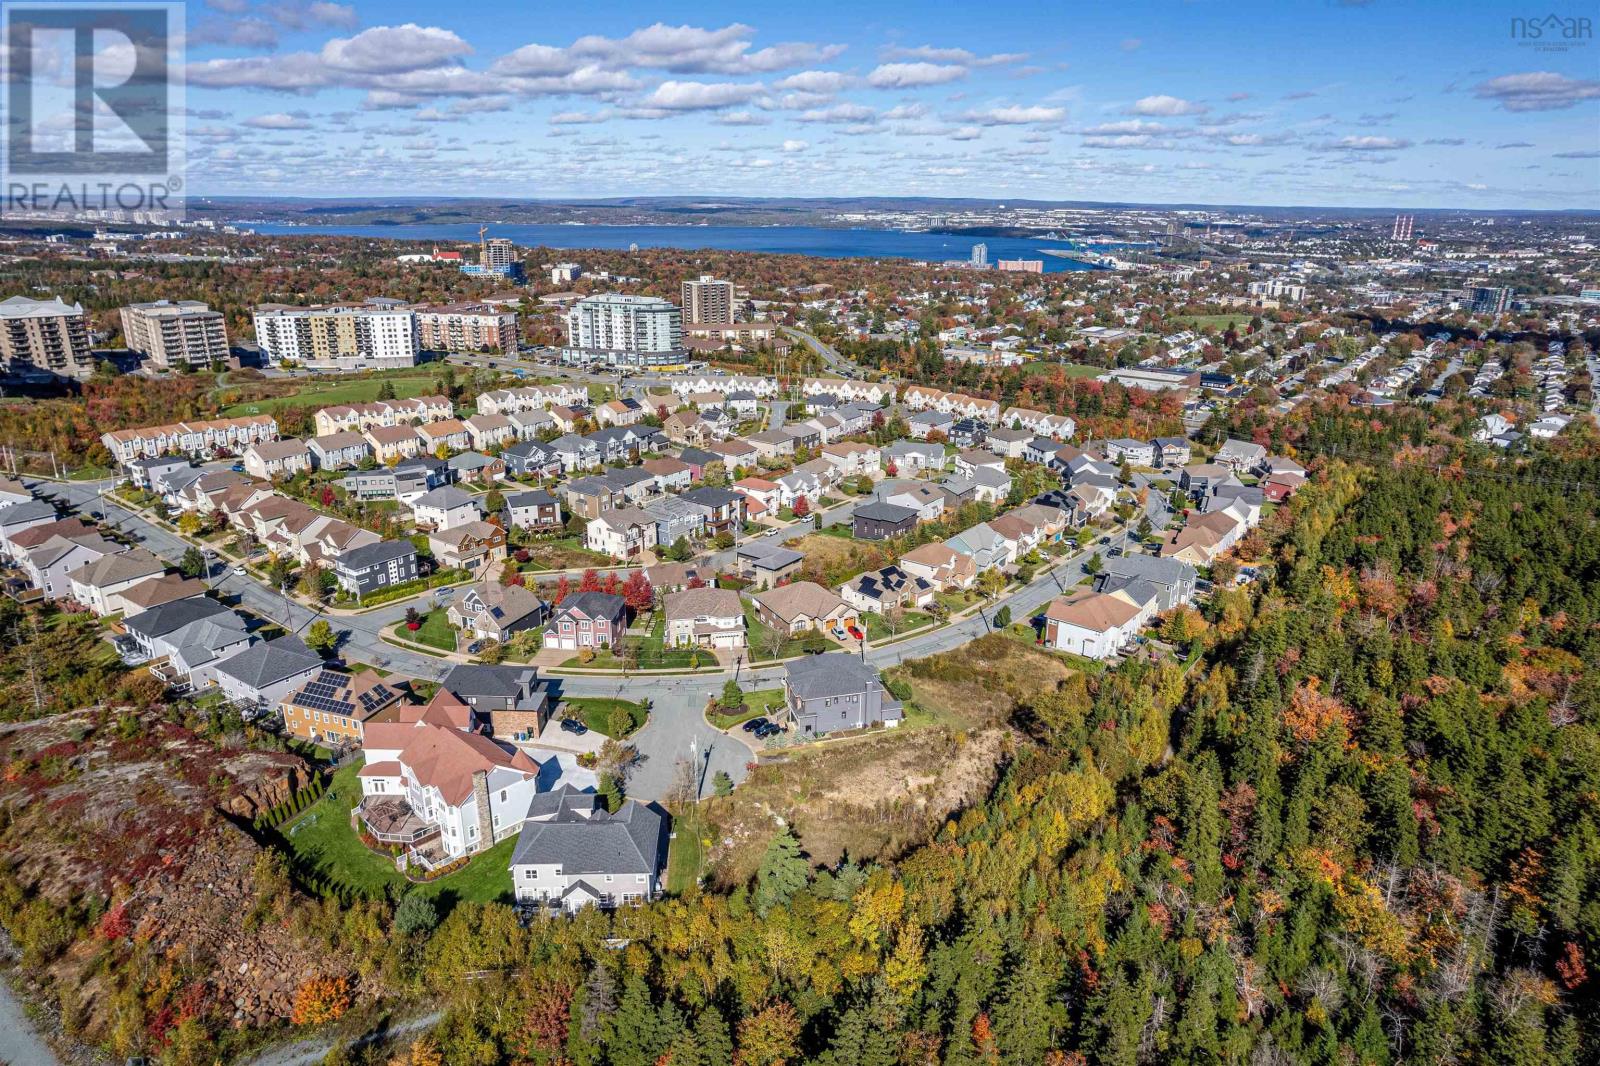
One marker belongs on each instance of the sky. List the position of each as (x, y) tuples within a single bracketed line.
[(1317, 102)]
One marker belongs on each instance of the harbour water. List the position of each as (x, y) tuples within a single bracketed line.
[(795, 240)]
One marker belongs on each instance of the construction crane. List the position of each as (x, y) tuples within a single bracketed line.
[(483, 245)]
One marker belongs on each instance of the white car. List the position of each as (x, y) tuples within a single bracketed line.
[(239, 569)]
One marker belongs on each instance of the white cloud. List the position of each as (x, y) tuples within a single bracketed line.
[(816, 81), (1364, 144), (840, 113), (1540, 90), (579, 118), (1166, 107), (1132, 125), (280, 121), (692, 49), (960, 56), (699, 95), (394, 49), (796, 146), (1017, 116), (912, 75), (742, 118)]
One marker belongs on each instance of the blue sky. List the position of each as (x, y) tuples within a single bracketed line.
[(1383, 103)]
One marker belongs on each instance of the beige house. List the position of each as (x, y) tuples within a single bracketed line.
[(802, 606), (706, 617), (940, 565)]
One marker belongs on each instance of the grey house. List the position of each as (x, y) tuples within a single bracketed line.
[(267, 671), (508, 699), (1172, 578), (830, 693), (366, 569), (880, 521), (571, 854)]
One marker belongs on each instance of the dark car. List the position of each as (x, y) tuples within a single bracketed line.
[(475, 647), (768, 730), (755, 723), (237, 468), (573, 726)]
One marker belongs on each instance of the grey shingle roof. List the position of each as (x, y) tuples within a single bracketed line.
[(631, 841), (834, 674), (376, 554), (166, 618), (271, 661)]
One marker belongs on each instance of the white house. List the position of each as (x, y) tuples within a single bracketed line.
[(709, 617), (621, 533), (1093, 624), (277, 458), (572, 854), (445, 507)]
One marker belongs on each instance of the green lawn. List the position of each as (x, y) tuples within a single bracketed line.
[(758, 635), (1072, 370), (686, 856), (595, 712), (1239, 320), (436, 631), (322, 842), (878, 627), (313, 393), (762, 701)]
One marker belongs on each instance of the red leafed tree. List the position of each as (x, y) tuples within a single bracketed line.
[(610, 586), (802, 506), (563, 588), (696, 583), (544, 1027), (637, 592), (115, 924), (327, 496), (892, 470), (983, 1039), (590, 581)]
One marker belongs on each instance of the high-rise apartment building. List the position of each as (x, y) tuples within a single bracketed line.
[(625, 331), (1402, 227), (707, 299), (980, 255), (339, 337), (1490, 300), (467, 328), (173, 335), (44, 337)]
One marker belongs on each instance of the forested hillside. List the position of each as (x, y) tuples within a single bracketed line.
[(1374, 840)]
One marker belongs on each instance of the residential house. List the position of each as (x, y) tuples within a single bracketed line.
[(922, 425), (1203, 538), (622, 533), (50, 564), (575, 453), (801, 606), (771, 444), (1096, 625), (889, 589), (687, 427), (445, 507), (986, 548), (393, 443), (765, 564), (836, 692), (1240, 456), (147, 474), (364, 570), (909, 458), (725, 510), (762, 497), (486, 431), (489, 610), (623, 412), (735, 453), (969, 462), (535, 509), (675, 577), (472, 546), (335, 705), (186, 639), (1172, 451), (1172, 579), (441, 792), (260, 676), (586, 620), (940, 565), (572, 854), (880, 521), (670, 475), (1132, 452), (1039, 423), (96, 583), (675, 519), (853, 460), (705, 617), (531, 459), (405, 481), (153, 592), (929, 501), (1008, 443), (277, 458), (1280, 487), (967, 433), (476, 468), (338, 451), (508, 700), (589, 497), (451, 435)]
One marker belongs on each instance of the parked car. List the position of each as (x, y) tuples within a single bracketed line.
[(239, 569), (237, 468), (573, 726), (756, 723), (475, 647)]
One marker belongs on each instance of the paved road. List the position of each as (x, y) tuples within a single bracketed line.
[(676, 721), (836, 362), (19, 1041)]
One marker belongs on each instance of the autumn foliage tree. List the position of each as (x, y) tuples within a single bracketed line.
[(320, 1000)]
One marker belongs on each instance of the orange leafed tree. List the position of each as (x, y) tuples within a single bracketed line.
[(1311, 712), (320, 1000)]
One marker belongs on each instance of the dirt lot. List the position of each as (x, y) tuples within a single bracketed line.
[(831, 560), (873, 797)]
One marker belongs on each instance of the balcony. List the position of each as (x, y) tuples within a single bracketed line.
[(392, 821)]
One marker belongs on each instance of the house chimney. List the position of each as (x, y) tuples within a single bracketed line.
[(480, 792)]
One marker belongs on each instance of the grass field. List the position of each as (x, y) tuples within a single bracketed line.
[(315, 393), (595, 712), (1072, 370), (761, 701), (687, 854), (321, 841), (1239, 320)]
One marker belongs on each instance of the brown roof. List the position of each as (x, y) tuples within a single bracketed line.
[(1097, 611), (689, 603), (391, 434), (447, 759), (163, 589), (807, 598), (70, 528), (659, 467), (445, 709)]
